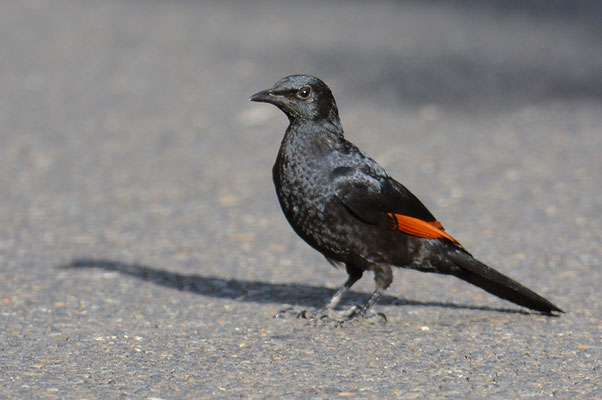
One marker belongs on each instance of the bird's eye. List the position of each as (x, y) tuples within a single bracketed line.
[(304, 93)]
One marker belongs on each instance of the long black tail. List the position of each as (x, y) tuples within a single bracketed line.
[(473, 271)]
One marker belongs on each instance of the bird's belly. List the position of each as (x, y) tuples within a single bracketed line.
[(316, 215), (324, 224), (328, 227)]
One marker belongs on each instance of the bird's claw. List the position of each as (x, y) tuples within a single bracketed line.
[(358, 314), (354, 315), (287, 312), (290, 312)]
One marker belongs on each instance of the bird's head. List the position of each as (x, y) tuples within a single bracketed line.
[(301, 97)]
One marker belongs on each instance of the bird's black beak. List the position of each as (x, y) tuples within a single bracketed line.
[(265, 96)]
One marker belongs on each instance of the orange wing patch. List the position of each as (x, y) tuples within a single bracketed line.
[(417, 227)]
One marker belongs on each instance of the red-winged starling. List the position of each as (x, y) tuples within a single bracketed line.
[(346, 206)]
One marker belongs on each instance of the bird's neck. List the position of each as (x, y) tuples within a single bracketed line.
[(313, 139), (328, 126)]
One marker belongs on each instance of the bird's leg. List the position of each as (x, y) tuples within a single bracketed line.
[(354, 274), (336, 298), (326, 310), (383, 276), (362, 311)]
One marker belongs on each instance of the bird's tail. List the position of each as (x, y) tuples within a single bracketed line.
[(473, 271)]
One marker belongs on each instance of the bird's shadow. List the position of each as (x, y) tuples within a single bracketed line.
[(253, 291)]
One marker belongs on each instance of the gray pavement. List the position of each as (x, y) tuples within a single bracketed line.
[(142, 250)]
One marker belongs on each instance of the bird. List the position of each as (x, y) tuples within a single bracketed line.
[(347, 207)]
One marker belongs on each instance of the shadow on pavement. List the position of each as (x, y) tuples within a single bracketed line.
[(253, 291)]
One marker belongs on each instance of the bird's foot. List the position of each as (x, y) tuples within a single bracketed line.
[(288, 312), (359, 314), (326, 316), (319, 314)]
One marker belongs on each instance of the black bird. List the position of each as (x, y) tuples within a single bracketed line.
[(346, 206)]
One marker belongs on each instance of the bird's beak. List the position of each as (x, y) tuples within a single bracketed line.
[(265, 96)]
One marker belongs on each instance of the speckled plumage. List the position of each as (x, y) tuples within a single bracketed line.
[(346, 206)]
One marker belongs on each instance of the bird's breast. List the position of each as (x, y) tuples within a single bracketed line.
[(303, 190)]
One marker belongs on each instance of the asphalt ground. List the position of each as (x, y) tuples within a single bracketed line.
[(142, 250)]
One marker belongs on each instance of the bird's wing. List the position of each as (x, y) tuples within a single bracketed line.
[(385, 202)]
